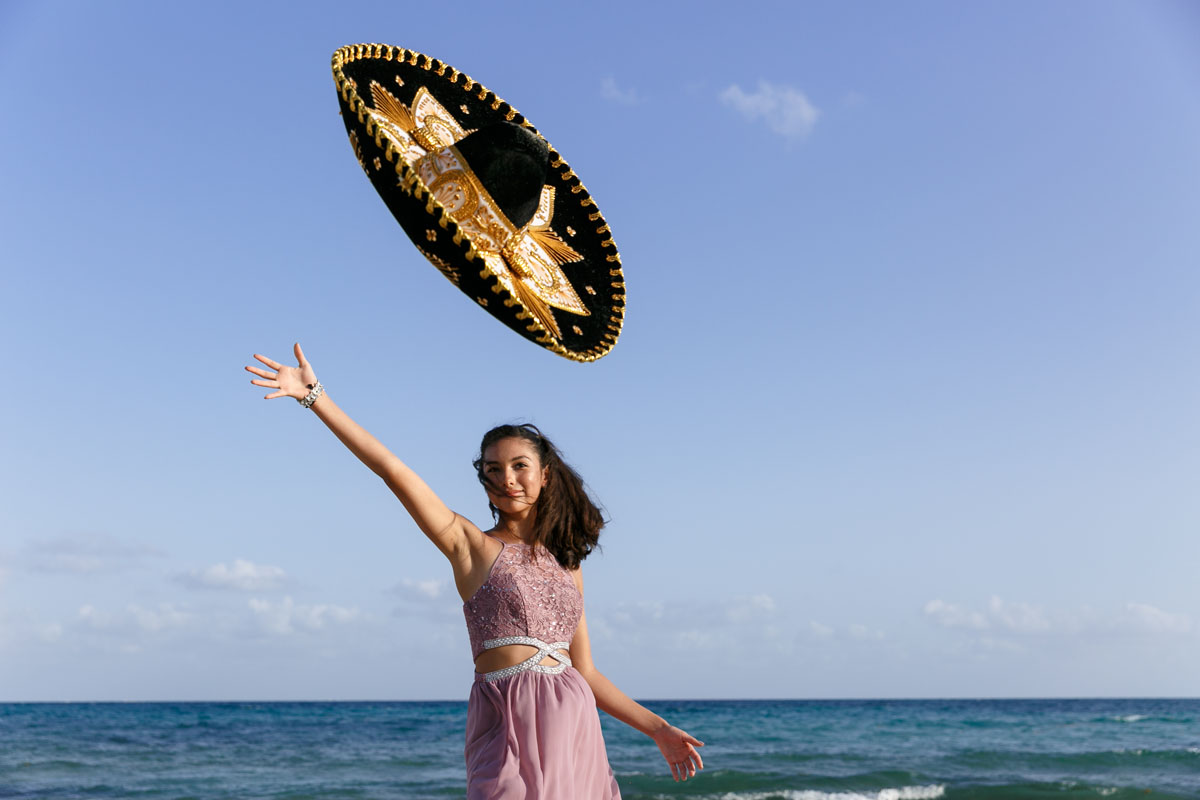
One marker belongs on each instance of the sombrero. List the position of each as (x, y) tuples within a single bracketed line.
[(484, 197)]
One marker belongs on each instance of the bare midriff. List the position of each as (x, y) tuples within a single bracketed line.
[(510, 655)]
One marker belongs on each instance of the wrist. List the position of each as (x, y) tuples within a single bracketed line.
[(657, 726), (315, 390)]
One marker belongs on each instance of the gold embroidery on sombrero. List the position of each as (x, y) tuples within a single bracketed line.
[(526, 261), (435, 127), (395, 114), (537, 252), (417, 130)]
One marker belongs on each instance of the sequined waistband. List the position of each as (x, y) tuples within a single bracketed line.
[(531, 664)]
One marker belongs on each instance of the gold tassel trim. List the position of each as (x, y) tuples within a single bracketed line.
[(560, 251)]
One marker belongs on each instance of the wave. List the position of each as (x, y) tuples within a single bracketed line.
[(1086, 762), (896, 793), (1135, 718), (1063, 790)]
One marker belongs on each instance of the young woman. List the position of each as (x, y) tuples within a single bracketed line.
[(532, 727)]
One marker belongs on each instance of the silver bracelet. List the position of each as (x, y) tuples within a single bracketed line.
[(312, 396)]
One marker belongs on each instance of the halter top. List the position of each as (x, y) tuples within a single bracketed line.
[(524, 599)]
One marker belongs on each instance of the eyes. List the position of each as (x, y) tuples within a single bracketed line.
[(492, 469)]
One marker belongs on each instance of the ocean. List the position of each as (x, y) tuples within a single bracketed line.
[(756, 750)]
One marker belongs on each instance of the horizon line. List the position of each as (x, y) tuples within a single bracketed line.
[(962, 698)]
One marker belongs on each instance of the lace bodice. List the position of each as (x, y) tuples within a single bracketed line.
[(523, 598)]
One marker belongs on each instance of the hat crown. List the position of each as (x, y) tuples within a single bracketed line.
[(511, 162)]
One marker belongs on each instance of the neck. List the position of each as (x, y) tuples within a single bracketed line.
[(517, 526)]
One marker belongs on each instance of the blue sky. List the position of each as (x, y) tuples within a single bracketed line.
[(904, 406)]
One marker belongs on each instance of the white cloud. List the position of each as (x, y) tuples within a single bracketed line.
[(430, 599), (952, 616), (863, 633), (783, 109), (610, 91), (1021, 617), (134, 619), (287, 616), (245, 576), (430, 588), (744, 609), (134, 626), (165, 618), (1016, 617), (819, 630), (1002, 616), (91, 617), (85, 554), (1147, 618), (991, 644), (642, 611), (696, 640)]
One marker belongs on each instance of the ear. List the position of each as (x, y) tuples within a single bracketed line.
[(545, 476)]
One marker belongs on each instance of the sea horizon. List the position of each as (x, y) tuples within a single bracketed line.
[(864, 699), (755, 749)]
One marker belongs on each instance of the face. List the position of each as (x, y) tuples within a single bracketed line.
[(514, 473)]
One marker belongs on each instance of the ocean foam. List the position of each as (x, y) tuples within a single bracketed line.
[(899, 793)]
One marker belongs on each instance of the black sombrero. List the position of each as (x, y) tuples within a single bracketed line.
[(484, 197)]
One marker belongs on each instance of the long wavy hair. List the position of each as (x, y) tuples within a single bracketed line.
[(568, 521)]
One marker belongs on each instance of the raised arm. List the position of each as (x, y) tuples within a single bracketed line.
[(677, 746), (446, 529)]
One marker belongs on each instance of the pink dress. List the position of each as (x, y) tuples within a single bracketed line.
[(533, 732)]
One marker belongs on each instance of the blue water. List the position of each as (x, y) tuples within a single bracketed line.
[(756, 750)]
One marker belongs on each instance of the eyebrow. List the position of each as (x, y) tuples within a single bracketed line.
[(511, 460)]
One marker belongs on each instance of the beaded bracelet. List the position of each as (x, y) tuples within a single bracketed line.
[(312, 396)]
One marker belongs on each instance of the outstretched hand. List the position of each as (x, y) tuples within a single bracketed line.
[(677, 748), (287, 381)]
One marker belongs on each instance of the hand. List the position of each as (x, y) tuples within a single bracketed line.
[(677, 748), (288, 381)]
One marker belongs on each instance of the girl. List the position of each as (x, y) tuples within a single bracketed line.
[(532, 727)]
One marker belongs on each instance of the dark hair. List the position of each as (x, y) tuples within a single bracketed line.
[(568, 521)]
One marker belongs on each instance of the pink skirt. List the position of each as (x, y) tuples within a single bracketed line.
[(534, 736)]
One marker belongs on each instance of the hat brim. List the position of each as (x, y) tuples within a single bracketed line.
[(371, 76)]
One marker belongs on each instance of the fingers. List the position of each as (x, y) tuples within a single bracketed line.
[(687, 767), (683, 770), (299, 355), (271, 379), (696, 757), (275, 365)]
